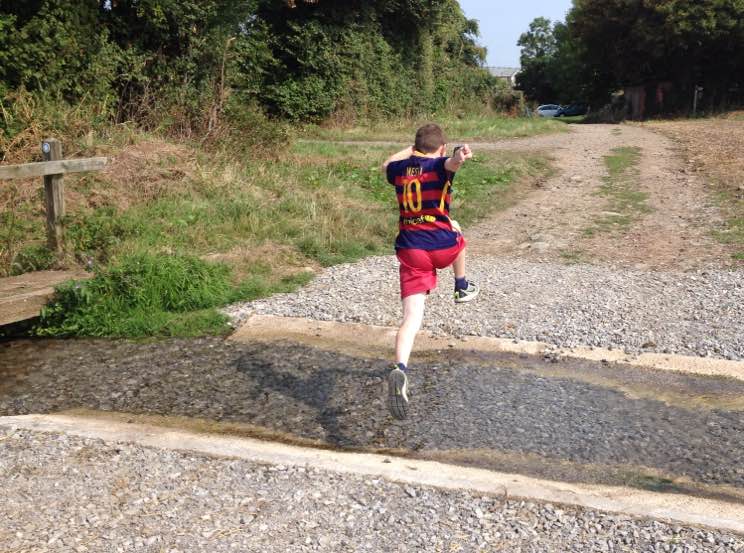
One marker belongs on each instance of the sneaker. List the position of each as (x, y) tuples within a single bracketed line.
[(469, 294), (398, 393)]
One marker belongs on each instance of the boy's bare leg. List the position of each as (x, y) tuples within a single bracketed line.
[(459, 265), (413, 316)]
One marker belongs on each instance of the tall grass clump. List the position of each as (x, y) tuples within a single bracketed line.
[(144, 295)]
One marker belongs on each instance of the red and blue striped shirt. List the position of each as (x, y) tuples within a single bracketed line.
[(424, 189)]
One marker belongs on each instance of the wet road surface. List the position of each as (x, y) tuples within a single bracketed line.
[(561, 419)]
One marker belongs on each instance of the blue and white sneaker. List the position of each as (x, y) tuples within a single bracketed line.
[(398, 393), (468, 294)]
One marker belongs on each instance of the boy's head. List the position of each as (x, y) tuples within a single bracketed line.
[(430, 139)]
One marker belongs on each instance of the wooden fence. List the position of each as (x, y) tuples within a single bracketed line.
[(53, 169)]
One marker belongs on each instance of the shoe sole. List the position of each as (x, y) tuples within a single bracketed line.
[(469, 297), (398, 394)]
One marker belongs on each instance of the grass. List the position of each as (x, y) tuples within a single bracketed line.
[(733, 231), (573, 256), (151, 295), (174, 233), (473, 127), (573, 119), (625, 202)]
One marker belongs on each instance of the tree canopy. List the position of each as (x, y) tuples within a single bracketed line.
[(295, 59)]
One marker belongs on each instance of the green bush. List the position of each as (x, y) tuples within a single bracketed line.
[(57, 51), (144, 295)]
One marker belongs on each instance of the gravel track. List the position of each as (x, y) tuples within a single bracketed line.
[(63, 493), (692, 313)]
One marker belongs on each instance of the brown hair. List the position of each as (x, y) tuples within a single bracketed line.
[(430, 138)]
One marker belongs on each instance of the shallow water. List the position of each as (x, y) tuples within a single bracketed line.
[(567, 420)]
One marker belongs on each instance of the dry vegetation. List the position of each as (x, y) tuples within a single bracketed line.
[(715, 148)]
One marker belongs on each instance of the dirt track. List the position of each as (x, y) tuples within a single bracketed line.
[(550, 224)]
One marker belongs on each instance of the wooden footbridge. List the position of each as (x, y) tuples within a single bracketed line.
[(22, 297)]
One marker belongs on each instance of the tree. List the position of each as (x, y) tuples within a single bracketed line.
[(686, 42), (539, 47)]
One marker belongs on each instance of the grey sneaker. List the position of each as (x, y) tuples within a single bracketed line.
[(469, 294), (398, 393)]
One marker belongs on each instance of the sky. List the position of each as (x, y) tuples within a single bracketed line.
[(501, 23)]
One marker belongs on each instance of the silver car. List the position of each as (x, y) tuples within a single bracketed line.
[(548, 110)]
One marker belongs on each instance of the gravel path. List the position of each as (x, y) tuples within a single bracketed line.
[(694, 313), (63, 493)]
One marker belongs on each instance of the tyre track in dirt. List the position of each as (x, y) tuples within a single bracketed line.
[(550, 223)]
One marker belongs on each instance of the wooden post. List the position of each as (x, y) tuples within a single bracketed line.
[(54, 194)]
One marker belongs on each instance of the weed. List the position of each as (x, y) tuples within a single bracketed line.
[(573, 257), (17, 230), (571, 120), (733, 231), (35, 257)]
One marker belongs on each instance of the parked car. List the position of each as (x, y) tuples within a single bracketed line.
[(572, 110), (548, 110)]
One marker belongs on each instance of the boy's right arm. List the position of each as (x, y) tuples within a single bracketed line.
[(403, 154)]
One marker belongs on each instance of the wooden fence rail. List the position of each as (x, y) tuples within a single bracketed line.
[(45, 168), (53, 169)]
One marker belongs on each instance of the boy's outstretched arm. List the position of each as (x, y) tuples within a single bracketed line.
[(454, 163), (403, 154)]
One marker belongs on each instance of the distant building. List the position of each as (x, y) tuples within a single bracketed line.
[(508, 74)]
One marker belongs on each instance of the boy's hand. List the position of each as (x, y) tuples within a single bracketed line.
[(453, 164), (463, 153)]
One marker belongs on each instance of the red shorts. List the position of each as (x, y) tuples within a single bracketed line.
[(418, 268)]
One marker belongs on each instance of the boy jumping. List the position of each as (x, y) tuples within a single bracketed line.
[(428, 240)]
